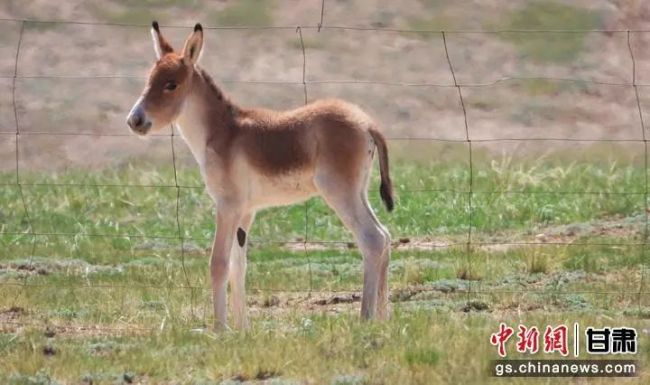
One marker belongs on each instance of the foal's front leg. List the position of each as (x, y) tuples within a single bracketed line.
[(227, 221), (238, 273)]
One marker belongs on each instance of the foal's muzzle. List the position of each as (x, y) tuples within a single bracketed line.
[(138, 121)]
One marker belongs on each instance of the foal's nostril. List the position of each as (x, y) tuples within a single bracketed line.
[(137, 121)]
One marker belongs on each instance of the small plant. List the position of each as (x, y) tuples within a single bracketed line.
[(428, 357), (537, 263), (40, 378), (467, 273), (417, 273), (584, 261)]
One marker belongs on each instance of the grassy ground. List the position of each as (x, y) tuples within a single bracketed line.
[(104, 275), (119, 309)]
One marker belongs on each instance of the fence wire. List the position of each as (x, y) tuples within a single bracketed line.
[(470, 244)]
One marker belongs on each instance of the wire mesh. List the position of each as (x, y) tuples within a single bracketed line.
[(305, 83)]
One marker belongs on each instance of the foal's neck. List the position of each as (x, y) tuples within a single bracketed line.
[(208, 116)]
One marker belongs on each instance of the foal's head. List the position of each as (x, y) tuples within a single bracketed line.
[(168, 85)]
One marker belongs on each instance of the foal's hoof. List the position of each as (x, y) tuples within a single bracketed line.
[(244, 327), (221, 327), (384, 314)]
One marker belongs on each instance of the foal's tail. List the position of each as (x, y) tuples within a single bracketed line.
[(386, 187)]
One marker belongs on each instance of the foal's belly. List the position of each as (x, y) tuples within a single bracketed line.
[(280, 190)]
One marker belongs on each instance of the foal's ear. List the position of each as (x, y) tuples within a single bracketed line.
[(193, 45), (160, 45)]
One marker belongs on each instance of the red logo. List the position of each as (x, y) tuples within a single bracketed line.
[(555, 340), (501, 337), (528, 339), (608, 340)]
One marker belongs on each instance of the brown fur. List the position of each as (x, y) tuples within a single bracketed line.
[(275, 148), (274, 142), (163, 104), (278, 142)]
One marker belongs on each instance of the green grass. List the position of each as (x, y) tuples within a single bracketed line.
[(125, 308), (548, 15), (141, 12), (545, 87), (252, 13), (432, 199), (135, 13), (408, 349), (433, 23), (315, 44), (435, 18)]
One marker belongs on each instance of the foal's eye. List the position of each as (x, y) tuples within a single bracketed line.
[(170, 86)]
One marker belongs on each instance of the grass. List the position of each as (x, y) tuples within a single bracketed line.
[(308, 43), (252, 13), (435, 18), (507, 195), (404, 350), (140, 12), (545, 87), (548, 15), (120, 309)]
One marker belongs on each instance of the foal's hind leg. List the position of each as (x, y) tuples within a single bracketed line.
[(383, 303), (357, 216)]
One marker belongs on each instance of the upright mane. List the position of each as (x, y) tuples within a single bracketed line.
[(214, 88), (222, 112)]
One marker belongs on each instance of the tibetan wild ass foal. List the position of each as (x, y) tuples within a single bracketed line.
[(256, 158)]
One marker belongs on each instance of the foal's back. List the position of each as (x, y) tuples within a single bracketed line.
[(327, 133)]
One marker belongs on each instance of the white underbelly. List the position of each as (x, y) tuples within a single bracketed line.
[(281, 190)]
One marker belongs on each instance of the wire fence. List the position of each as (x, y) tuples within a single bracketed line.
[(470, 244)]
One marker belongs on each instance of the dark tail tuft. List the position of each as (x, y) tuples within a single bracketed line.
[(386, 186), (386, 196)]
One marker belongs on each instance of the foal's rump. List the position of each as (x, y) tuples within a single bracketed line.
[(331, 138), (347, 139)]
